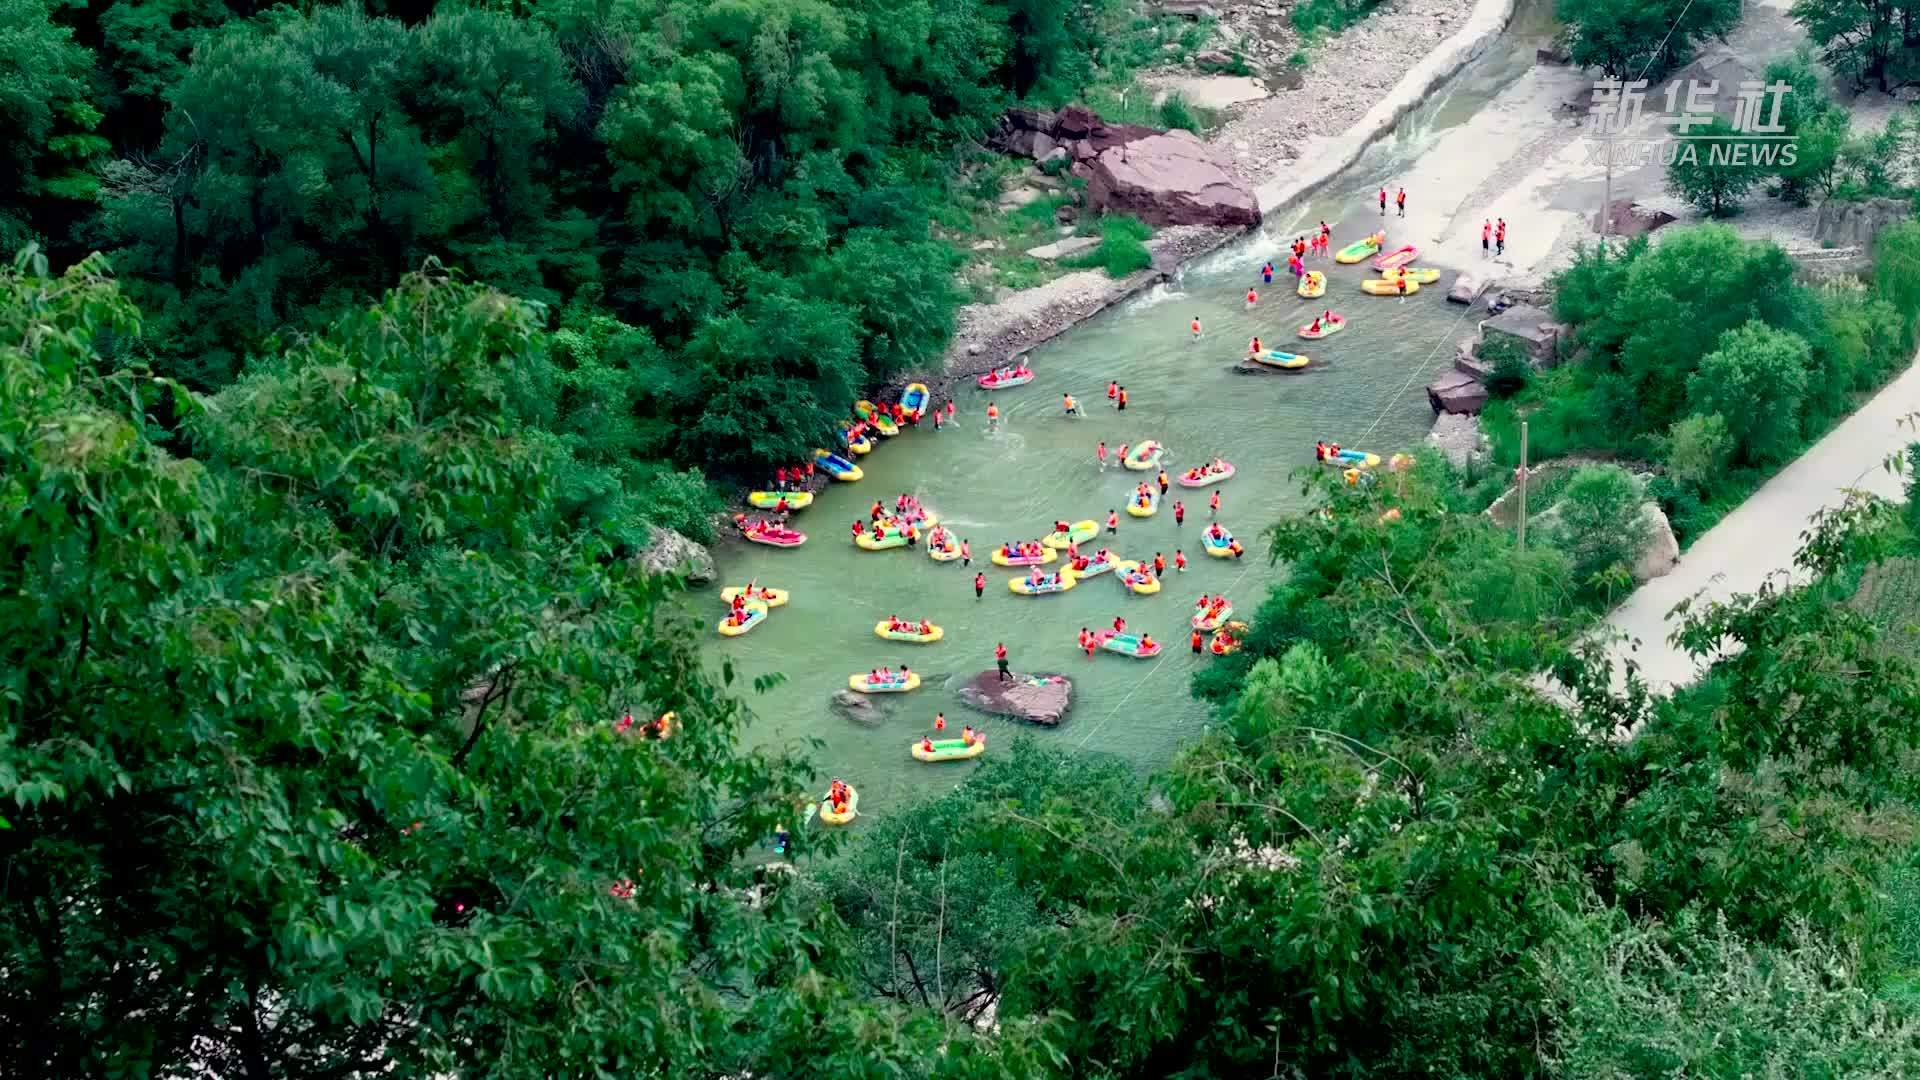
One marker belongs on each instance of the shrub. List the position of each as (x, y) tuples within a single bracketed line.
[(1123, 247), (1512, 367), (1176, 113), (1699, 450), (1756, 379), (1600, 525), (1707, 173), (1331, 16), (680, 501)]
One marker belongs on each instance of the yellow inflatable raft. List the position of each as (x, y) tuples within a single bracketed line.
[(876, 540), (1422, 275), (927, 635), (896, 685), (1147, 509), (1383, 287), (950, 749), (1060, 581), (1136, 581), (881, 422), (945, 551), (772, 598), (770, 500), (1312, 283), (1077, 533), (1144, 457), (827, 815), (1360, 249), (755, 614), (861, 445), (1047, 555), (1285, 361)]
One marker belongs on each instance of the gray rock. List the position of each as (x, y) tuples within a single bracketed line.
[(859, 708), (1189, 9), (1532, 327), (974, 348), (1170, 179), (1553, 54), (1458, 438), (1065, 215), (1042, 699), (1456, 392), (1663, 548), (1043, 145), (987, 245), (1856, 224), (1060, 249), (1212, 58), (1466, 289), (1058, 153), (667, 552)]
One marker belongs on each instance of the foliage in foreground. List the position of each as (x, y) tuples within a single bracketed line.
[(1394, 856), (308, 750)]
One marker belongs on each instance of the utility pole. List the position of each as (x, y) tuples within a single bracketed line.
[(1523, 486)]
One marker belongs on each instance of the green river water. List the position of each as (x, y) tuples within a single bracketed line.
[(1364, 391)]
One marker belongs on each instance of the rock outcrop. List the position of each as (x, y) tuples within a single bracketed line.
[(1458, 438), (1040, 699), (1466, 289), (1456, 392), (1663, 548), (1533, 328), (667, 552), (1170, 179), (860, 708), (1163, 178), (1856, 224)]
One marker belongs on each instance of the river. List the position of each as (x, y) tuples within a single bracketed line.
[(1363, 391)]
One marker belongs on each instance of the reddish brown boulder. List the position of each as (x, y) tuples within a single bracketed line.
[(1170, 179)]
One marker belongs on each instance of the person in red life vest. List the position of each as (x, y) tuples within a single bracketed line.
[(1383, 202), (1180, 561), (780, 478), (1213, 504), (979, 586), (1252, 299), (1159, 565), (926, 745), (1000, 661), (1196, 643), (966, 553), (1179, 513), (939, 721), (1100, 453), (1086, 642), (1119, 625), (1400, 201), (1113, 522)]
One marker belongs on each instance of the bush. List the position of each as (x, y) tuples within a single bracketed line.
[(1600, 525), (1708, 175), (1512, 367), (1123, 247), (680, 501), (1698, 451), (1176, 113), (1896, 271), (1331, 16), (1757, 380)]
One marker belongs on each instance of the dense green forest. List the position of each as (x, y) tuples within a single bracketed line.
[(723, 209)]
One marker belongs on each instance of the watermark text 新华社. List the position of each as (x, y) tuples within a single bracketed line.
[(1620, 118)]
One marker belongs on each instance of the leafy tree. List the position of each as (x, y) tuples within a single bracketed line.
[(1858, 39), (1710, 172), (1896, 269), (46, 118), (1636, 39), (1756, 380), (1598, 522), (1699, 451), (311, 761)]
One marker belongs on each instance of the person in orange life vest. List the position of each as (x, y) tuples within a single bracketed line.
[(1100, 453), (939, 721), (993, 414), (1236, 549), (1163, 481), (1180, 561), (1122, 455), (966, 553), (1213, 504), (1146, 643), (1000, 661), (1159, 564), (1400, 201), (1123, 399), (1196, 643), (1252, 298), (1088, 642)]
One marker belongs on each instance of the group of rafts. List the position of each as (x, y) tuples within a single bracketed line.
[(1397, 278)]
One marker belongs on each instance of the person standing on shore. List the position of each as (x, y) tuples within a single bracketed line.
[(1400, 201), (1486, 235), (1383, 202), (1500, 238)]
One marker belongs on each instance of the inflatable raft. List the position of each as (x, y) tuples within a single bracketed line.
[(860, 447), (1001, 558), (1383, 287), (1396, 258), (926, 635), (837, 467), (1213, 618), (1077, 533), (914, 399), (1219, 549), (896, 685), (1127, 645), (882, 423), (771, 500), (1328, 328), (1285, 361), (1058, 582), (1137, 581), (853, 808), (880, 540), (1351, 459), (944, 551), (1144, 457), (1226, 640), (1360, 249), (760, 595), (1422, 275), (1312, 283), (1000, 380), (1141, 509), (752, 615), (1206, 476), (950, 749), (1099, 564), (775, 537)]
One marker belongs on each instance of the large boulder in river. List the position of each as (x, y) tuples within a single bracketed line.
[(1457, 392), (1041, 699), (859, 708), (1170, 179), (667, 552)]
